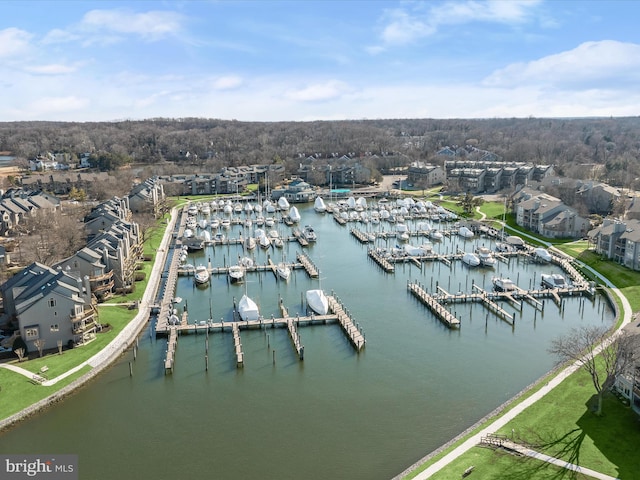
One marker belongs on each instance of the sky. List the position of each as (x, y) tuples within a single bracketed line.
[(318, 60)]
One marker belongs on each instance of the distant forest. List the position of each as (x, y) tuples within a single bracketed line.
[(602, 149)]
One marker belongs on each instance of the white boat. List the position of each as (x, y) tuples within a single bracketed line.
[(515, 241), (227, 209), (317, 301), (283, 204), (504, 247), (294, 215), (236, 273), (542, 254), (416, 251), (309, 233), (486, 257), (471, 259), (264, 241), (201, 275), (250, 243), (206, 209), (246, 262), (436, 235), (283, 271), (553, 280), (464, 232), (192, 210), (319, 205), (502, 284), (248, 309)]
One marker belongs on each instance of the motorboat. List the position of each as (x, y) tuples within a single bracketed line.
[(309, 233), (192, 210), (236, 273), (504, 247), (317, 301), (542, 254), (502, 284), (294, 215), (248, 309), (319, 205), (264, 241), (246, 262), (465, 232), (471, 259), (515, 241), (283, 271), (193, 243), (486, 257), (276, 241), (201, 275), (553, 280)]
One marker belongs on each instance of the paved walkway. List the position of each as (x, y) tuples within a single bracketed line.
[(560, 463), (511, 414)]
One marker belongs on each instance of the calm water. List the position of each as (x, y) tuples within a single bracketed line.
[(337, 414), (6, 160)]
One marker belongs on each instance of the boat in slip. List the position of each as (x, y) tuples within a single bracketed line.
[(553, 280), (317, 301), (319, 205), (486, 257), (201, 275), (465, 232), (283, 270), (309, 234), (236, 273), (542, 255), (471, 259), (503, 284), (248, 309)]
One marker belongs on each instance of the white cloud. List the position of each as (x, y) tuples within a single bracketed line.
[(59, 36), (13, 42), (151, 25), (404, 26), (51, 69), (329, 90), (589, 64), (227, 83)]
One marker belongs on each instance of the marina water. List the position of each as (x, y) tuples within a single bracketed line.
[(338, 413)]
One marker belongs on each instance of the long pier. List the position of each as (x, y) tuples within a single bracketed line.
[(338, 314), (444, 315)]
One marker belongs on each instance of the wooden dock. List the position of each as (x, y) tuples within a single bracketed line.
[(237, 343), (338, 315), (307, 264), (380, 260), (444, 315), (300, 238), (170, 356), (360, 235), (352, 331), (295, 338)]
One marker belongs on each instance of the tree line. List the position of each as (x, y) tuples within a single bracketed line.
[(603, 149)]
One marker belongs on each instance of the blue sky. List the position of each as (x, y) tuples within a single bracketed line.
[(308, 60)]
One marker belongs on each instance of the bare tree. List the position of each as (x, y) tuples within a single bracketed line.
[(39, 344), (59, 347), (20, 353), (601, 355)]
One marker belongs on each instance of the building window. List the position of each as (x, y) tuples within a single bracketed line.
[(31, 333), (55, 327), (52, 302)]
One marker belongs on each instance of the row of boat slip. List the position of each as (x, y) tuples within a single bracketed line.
[(238, 206), (402, 206)]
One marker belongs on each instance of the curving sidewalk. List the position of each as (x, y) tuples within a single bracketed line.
[(511, 414), (113, 350)]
